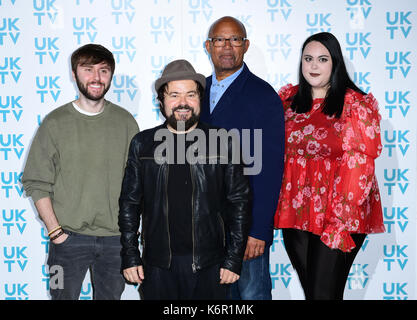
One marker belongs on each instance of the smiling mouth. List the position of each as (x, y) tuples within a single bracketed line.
[(314, 75), (182, 111), (95, 86)]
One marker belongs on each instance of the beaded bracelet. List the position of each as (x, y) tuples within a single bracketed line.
[(60, 233)]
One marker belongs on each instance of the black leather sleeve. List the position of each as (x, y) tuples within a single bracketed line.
[(237, 215), (130, 204)]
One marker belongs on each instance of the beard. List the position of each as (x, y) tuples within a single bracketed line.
[(84, 90), (181, 124)]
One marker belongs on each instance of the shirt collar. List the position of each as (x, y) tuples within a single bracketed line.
[(229, 79)]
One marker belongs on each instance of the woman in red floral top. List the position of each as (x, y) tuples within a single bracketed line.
[(329, 197)]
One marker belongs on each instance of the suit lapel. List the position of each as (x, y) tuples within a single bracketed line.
[(205, 109), (232, 93)]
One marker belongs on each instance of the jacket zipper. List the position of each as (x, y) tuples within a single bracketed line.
[(193, 266), (166, 196)]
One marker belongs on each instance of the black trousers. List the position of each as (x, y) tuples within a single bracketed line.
[(179, 282), (322, 271)]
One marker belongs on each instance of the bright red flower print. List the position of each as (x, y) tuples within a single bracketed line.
[(329, 183)]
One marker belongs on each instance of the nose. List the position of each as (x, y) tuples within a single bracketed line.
[(96, 74), (183, 99), (227, 43)]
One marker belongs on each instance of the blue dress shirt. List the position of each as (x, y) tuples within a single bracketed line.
[(219, 87)]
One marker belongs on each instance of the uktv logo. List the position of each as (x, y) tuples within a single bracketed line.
[(9, 30)]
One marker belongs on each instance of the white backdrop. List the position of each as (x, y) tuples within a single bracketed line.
[(37, 37)]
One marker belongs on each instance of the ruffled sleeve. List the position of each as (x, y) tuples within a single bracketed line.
[(354, 181), (287, 91)]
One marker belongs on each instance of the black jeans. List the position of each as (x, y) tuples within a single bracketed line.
[(179, 282), (322, 271), (78, 253)]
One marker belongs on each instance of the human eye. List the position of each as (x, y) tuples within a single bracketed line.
[(192, 95), (236, 40), (323, 59), (218, 40), (307, 58)]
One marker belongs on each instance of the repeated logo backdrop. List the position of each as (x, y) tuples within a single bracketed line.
[(378, 38)]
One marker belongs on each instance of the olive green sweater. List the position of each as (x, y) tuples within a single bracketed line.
[(78, 161)]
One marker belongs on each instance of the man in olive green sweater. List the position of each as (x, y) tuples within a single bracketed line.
[(74, 172)]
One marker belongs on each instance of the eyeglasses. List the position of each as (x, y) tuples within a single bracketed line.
[(221, 42)]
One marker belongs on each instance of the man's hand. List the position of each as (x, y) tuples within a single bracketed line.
[(60, 239), (254, 248), (227, 276), (134, 274)]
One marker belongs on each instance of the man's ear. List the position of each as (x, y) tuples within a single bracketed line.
[(247, 43), (207, 45)]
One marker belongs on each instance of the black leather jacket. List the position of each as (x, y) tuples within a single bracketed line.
[(220, 207)]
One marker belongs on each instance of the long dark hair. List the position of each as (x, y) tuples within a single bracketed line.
[(339, 80)]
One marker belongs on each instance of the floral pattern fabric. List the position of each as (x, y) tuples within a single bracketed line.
[(329, 185)]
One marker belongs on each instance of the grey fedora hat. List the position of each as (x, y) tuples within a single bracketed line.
[(179, 70)]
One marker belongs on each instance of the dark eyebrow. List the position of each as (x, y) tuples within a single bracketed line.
[(191, 91), (87, 65), (309, 55)]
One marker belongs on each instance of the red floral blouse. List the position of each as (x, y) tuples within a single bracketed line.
[(329, 185)]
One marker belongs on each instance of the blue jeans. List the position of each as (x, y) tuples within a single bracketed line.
[(75, 256), (255, 280)]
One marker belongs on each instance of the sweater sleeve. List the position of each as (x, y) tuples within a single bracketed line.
[(355, 177), (133, 128), (41, 166)]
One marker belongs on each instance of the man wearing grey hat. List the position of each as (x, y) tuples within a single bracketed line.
[(188, 208)]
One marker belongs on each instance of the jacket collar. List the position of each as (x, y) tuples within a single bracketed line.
[(229, 95)]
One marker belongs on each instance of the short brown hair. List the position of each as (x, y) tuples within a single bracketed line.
[(92, 54)]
